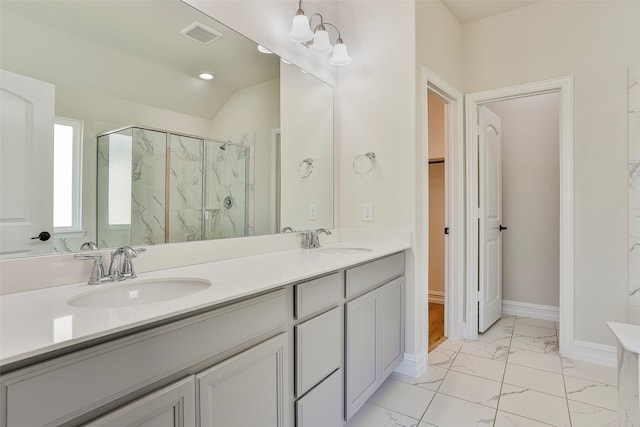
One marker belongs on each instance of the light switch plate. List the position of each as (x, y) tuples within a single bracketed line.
[(313, 211), (367, 211)]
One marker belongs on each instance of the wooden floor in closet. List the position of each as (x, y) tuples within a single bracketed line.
[(436, 325)]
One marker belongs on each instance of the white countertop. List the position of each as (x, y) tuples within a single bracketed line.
[(40, 321), (628, 335)]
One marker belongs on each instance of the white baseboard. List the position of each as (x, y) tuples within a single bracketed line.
[(523, 309), (436, 297), (413, 365), (599, 354)]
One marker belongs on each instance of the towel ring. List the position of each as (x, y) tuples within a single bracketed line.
[(364, 163), (305, 171)]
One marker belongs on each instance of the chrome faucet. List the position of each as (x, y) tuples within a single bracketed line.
[(288, 230), (310, 238), (121, 267)]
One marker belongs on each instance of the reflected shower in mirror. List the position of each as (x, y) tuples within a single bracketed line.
[(224, 164)]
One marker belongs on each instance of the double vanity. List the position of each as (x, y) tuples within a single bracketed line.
[(300, 337)]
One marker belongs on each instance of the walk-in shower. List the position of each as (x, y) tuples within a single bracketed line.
[(157, 186)]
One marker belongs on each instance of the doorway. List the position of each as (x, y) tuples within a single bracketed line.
[(437, 216), (451, 176), (564, 214)]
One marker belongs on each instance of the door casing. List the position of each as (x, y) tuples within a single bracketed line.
[(564, 87)]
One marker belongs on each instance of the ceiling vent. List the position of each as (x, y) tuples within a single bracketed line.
[(201, 33)]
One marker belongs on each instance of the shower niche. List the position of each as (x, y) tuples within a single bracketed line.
[(157, 186)]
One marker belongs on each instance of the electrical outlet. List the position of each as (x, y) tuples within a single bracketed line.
[(313, 211), (367, 211)]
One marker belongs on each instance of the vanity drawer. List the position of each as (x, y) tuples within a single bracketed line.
[(322, 406), (370, 275), (318, 349), (318, 294), (59, 390)]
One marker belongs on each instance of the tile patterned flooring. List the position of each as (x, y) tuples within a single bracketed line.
[(511, 376)]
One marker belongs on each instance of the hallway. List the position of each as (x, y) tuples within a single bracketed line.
[(512, 376)]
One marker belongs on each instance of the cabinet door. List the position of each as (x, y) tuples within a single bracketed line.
[(172, 406), (318, 349), (361, 351), (391, 325), (322, 406), (250, 389)]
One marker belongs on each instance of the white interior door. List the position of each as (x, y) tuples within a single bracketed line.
[(490, 227), (27, 108)]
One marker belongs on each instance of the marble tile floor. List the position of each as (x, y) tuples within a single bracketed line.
[(512, 375)]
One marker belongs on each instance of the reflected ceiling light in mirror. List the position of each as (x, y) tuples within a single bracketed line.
[(206, 76), (318, 40), (263, 49)]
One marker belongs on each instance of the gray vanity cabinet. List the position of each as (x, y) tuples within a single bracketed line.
[(319, 352), (86, 384), (374, 328), (247, 390), (171, 406)]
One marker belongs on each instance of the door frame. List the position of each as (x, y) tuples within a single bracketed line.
[(454, 204), (564, 87)]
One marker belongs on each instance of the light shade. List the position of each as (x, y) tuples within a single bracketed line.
[(300, 30), (321, 44), (340, 55)]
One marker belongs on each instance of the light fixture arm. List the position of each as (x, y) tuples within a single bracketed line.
[(320, 26), (339, 40)]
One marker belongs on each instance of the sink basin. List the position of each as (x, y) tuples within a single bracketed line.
[(342, 251), (139, 292)]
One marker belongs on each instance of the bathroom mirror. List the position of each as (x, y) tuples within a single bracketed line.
[(198, 159)]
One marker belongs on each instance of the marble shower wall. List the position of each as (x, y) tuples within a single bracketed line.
[(228, 196), (147, 188), (634, 194), (185, 195)]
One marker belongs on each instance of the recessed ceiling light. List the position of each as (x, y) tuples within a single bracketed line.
[(206, 76), (264, 49)]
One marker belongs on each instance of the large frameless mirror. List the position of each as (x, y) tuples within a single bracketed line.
[(110, 136)]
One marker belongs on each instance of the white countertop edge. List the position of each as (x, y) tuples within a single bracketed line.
[(26, 318), (627, 334)]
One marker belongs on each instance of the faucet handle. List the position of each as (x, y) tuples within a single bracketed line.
[(97, 270)]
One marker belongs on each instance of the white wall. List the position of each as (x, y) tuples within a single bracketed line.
[(530, 198), (594, 42), (307, 133)]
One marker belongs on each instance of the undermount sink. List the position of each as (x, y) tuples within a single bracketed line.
[(138, 292), (342, 251)]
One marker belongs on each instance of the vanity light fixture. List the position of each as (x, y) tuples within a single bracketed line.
[(206, 76), (318, 40)]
